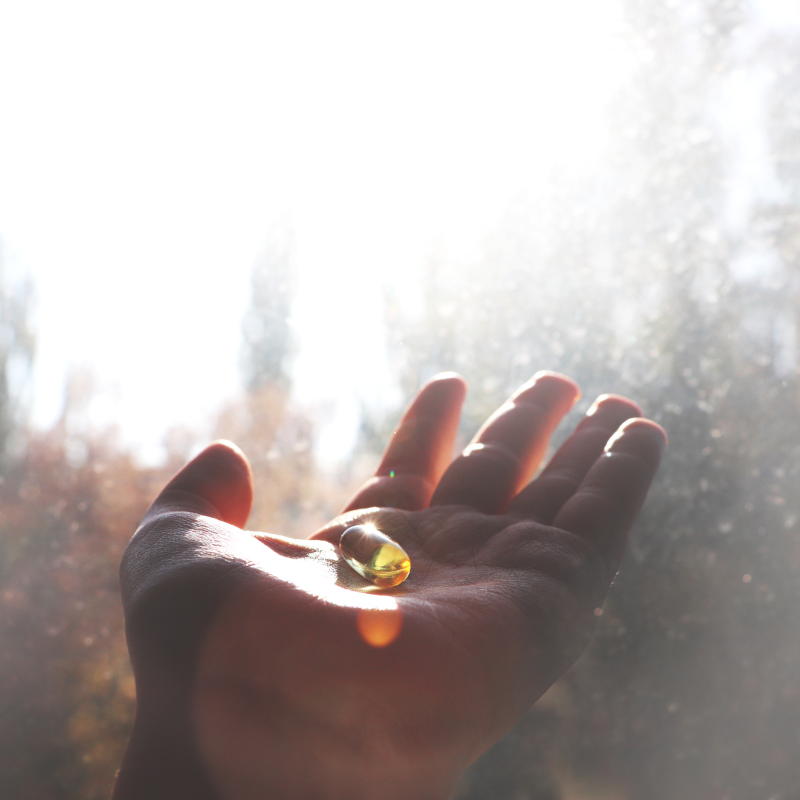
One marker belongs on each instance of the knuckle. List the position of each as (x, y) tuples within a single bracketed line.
[(567, 474), (493, 454)]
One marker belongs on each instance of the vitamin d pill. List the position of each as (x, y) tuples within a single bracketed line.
[(374, 556)]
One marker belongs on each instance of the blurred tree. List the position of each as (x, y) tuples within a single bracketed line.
[(66, 689), (17, 347), (69, 501), (266, 332), (290, 498)]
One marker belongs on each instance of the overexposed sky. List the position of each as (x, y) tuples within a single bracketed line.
[(150, 151)]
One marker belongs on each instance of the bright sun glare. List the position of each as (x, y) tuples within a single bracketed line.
[(148, 152)]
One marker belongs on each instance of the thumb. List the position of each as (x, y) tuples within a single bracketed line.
[(216, 483)]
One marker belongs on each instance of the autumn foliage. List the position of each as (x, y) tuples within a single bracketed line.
[(67, 688)]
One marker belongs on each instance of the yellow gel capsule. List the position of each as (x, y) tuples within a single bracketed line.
[(374, 556)]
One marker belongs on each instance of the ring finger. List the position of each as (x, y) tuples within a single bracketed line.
[(542, 499)]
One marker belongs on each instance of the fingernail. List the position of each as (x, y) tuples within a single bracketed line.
[(617, 406), (634, 434), (551, 382), (596, 405)]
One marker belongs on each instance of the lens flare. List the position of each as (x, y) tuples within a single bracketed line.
[(379, 627)]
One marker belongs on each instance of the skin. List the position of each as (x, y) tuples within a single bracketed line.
[(255, 656)]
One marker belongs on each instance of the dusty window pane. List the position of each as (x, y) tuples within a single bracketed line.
[(666, 270)]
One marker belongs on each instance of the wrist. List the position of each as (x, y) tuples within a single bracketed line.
[(161, 761), (164, 760), (158, 767), (284, 754)]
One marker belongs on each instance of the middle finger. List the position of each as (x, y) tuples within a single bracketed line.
[(509, 447)]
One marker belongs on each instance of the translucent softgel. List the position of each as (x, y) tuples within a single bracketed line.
[(374, 556)]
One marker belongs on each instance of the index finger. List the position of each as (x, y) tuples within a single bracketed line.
[(420, 448)]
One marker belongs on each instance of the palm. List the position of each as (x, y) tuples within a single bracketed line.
[(296, 653)]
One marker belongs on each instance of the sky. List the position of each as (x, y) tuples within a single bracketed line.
[(150, 152)]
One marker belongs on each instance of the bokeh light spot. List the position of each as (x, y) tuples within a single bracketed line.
[(379, 627)]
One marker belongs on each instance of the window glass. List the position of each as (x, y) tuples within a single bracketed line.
[(632, 219)]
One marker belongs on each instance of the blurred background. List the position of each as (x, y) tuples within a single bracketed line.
[(271, 222)]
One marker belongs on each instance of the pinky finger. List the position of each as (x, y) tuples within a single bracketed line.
[(609, 498)]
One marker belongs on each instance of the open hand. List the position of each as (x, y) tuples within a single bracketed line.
[(266, 667)]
